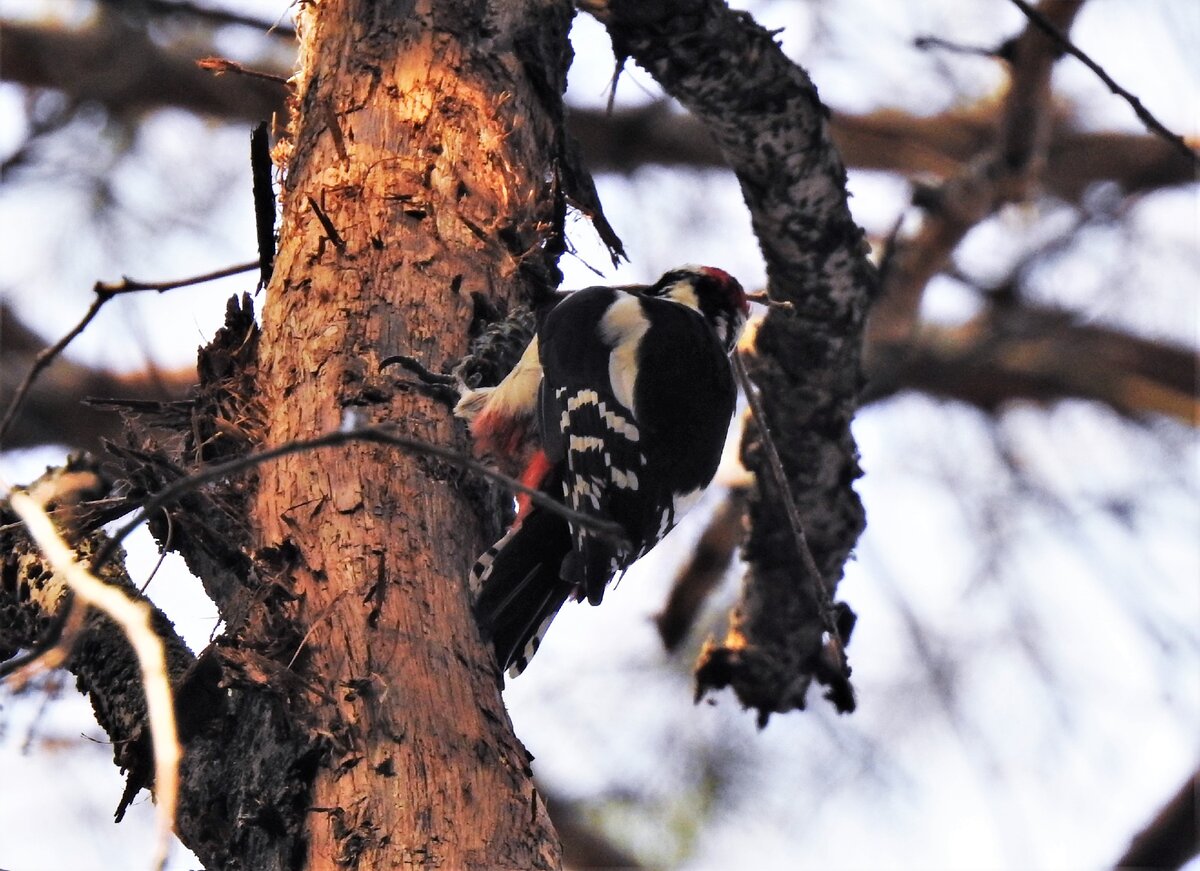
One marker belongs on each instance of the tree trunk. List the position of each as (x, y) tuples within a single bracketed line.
[(416, 175)]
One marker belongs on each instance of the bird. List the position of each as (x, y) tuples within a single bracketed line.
[(618, 409)]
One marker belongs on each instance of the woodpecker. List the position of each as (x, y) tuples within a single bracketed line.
[(618, 408)]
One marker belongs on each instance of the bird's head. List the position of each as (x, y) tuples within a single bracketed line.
[(714, 293)]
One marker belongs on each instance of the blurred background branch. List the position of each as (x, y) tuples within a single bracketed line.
[(1028, 646)]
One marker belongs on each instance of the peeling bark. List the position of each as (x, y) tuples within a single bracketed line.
[(349, 714)]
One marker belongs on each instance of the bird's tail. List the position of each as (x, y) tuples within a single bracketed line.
[(517, 586)]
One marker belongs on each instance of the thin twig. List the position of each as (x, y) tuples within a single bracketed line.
[(825, 599), (129, 285), (379, 435), (221, 65), (44, 359), (162, 554), (217, 16), (1152, 123), (104, 292), (134, 619), (927, 42), (762, 297)]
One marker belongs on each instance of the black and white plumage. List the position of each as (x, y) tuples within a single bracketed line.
[(632, 396)]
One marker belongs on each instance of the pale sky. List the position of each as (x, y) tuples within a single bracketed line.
[(1073, 664)]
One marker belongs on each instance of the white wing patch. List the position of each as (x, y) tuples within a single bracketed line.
[(583, 488), (622, 328), (521, 662)]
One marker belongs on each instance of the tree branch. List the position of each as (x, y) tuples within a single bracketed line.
[(245, 756), (1014, 353), (1007, 355), (105, 656), (935, 146), (376, 435), (103, 293), (118, 66), (1004, 174), (764, 114), (135, 617), (1052, 30), (207, 15), (1172, 838), (54, 412), (623, 141)]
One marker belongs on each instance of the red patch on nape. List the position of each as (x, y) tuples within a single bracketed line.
[(718, 274), (533, 476), (731, 286)]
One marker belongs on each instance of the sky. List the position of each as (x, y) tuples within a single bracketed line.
[(1029, 711)]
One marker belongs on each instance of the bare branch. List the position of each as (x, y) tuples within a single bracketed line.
[(1153, 124), (120, 67), (130, 285), (623, 141), (775, 465), (184, 9), (44, 359), (1003, 175), (1013, 353), (1172, 838), (52, 411), (927, 42), (764, 114), (378, 435), (104, 292), (134, 617), (229, 719), (220, 66)]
